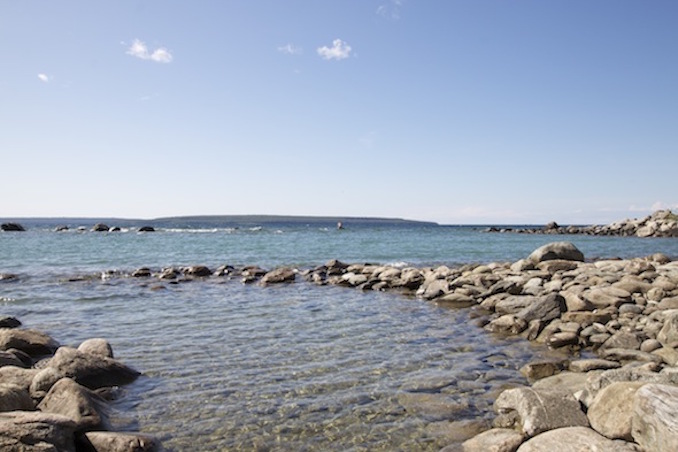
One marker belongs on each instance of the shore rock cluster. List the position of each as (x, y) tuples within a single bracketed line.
[(53, 398), (662, 223), (626, 311)]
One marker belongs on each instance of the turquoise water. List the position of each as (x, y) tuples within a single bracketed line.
[(229, 366)]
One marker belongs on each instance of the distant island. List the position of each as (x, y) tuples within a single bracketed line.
[(205, 221)]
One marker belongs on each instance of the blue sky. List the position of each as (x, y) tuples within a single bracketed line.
[(451, 111)]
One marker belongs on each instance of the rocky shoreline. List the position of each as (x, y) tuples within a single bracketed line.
[(54, 398), (625, 311), (662, 223)]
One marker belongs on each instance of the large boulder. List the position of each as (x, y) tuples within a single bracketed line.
[(575, 439), (100, 227), (611, 411), (557, 250), (541, 410), (655, 417), (77, 403), (33, 342), (17, 376), (89, 370), (28, 431)]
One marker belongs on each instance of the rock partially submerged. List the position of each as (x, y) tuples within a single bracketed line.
[(53, 406)]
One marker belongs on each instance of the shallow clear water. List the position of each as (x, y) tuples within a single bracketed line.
[(229, 366)]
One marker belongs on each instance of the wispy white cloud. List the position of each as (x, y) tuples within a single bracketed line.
[(338, 51), (390, 9), (44, 78), (139, 49), (290, 49)]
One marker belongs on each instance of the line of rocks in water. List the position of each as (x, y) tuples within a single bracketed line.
[(54, 398), (662, 223)]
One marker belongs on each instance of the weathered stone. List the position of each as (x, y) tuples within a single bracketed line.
[(586, 318), (562, 339), (507, 324), (597, 381), (27, 431), (622, 339), (575, 439), (655, 417), (97, 346), (537, 370), (17, 376), (283, 275), (569, 382), (43, 381), (587, 365), (433, 288), (77, 403), (33, 342), (607, 296), (514, 303), (100, 227), (668, 336), (611, 411), (557, 250), (8, 358), (91, 371), (625, 355), (544, 308), (143, 272), (540, 411), (456, 300), (199, 271), (668, 354), (494, 440), (650, 345), (14, 397), (118, 442), (557, 265)]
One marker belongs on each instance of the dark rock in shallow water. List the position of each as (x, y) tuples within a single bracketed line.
[(61, 228), (89, 370), (147, 229), (100, 227), (16, 227), (9, 322)]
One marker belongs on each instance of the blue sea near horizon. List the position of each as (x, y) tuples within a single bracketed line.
[(228, 366)]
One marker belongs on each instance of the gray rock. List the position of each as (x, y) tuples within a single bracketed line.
[(514, 303), (541, 411), (43, 381), (32, 342), (668, 335), (9, 322), (279, 276), (544, 308), (611, 411), (622, 339), (541, 369), (100, 227), (569, 382), (562, 339), (27, 431), (494, 440), (77, 403), (91, 371), (17, 376), (97, 346), (507, 324), (199, 271), (118, 442), (587, 365), (8, 358), (655, 417), (575, 439), (557, 250), (624, 355), (14, 397)]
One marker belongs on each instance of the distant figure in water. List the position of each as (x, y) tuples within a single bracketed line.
[(340, 225)]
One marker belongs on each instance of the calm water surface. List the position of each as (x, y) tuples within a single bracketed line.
[(228, 366)]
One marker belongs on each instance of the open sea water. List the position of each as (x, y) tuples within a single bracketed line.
[(229, 366)]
